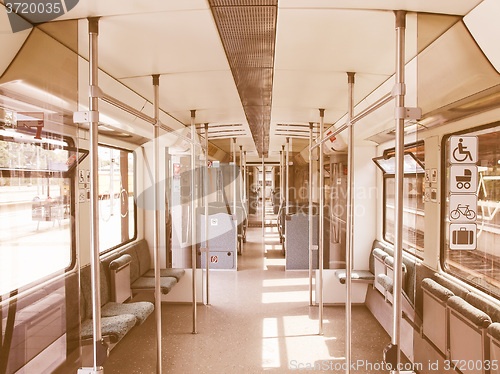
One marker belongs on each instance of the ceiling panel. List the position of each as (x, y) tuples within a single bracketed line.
[(10, 42), (213, 90), (93, 8), (145, 44), (185, 49), (458, 7), (482, 22), (335, 41), (320, 90)]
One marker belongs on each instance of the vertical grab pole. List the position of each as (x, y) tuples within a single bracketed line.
[(263, 194), (156, 219), (350, 219), (398, 218), (234, 180), (94, 192), (282, 173), (321, 223), (281, 176), (310, 216), (207, 259), (241, 173), (245, 178), (287, 168), (193, 216)]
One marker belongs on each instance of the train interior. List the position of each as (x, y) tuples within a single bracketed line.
[(213, 186)]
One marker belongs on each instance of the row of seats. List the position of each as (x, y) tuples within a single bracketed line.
[(382, 266), (293, 208), (381, 272), (119, 318), (462, 325)]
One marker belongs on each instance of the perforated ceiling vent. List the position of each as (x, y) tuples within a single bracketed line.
[(248, 32)]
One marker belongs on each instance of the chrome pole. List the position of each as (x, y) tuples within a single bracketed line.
[(245, 181), (263, 194), (398, 217), (350, 219), (156, 220), (379, 103), (321, 223), (281, 176), (241, 173), (94, 192), (287, 177), (207, 253), (193, 216), (234, 181), (283, 171), (310, 216)]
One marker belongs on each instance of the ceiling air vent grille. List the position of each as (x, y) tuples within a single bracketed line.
[(248, 31)]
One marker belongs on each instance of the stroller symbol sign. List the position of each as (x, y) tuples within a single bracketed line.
[(463, 179)]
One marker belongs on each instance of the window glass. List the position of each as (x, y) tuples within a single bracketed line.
[(116, 197), (36, 205), (413, 201), (480, 266)]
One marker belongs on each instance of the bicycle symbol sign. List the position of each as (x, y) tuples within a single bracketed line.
[(463, 208), (463, 149)]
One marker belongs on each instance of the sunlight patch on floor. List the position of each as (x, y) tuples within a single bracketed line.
[(272, 247), (285, 297), (303, 344), (285, 282), (270, 344), (273, 262)]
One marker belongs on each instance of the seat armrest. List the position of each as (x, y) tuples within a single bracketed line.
[(120, 262)]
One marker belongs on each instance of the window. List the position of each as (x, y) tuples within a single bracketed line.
[(36, 206), (413, 198), (481, 266), (117, 218)]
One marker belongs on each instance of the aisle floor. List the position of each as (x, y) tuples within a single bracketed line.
[(259, 321)]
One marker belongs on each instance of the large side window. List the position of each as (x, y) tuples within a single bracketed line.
[(480, 266), (36, 207), (117, 218), (413, 197)]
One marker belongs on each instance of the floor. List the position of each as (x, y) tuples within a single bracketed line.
[(259, 321)]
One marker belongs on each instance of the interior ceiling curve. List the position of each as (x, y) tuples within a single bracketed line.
[(257, 63)]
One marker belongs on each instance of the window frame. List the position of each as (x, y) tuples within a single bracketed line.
[(71, 175), (416, 253), (443, 213), (134, 156)]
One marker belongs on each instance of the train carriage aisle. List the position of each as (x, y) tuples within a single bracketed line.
[(259, 320)]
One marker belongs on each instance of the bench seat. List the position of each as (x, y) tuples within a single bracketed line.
[(114, 328), (386, 282), (361, 276), (148, 284), (175, 273), (474, 315), (140, 310)]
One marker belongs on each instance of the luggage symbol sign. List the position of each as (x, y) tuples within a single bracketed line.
[(462, 205), (463, 236)]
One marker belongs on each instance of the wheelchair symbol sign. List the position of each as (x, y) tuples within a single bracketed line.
[(463, 149)]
